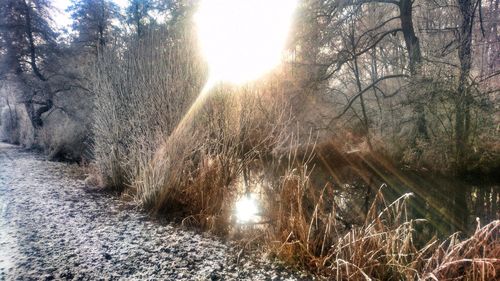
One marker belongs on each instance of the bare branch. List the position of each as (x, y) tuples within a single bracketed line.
[(353, 99)]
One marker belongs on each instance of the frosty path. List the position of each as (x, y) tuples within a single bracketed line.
[(51, 228)]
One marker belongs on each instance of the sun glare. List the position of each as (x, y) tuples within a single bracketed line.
[(247, 208), (243, 39)]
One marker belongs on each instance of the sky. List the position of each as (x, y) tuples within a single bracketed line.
[(63, 19)]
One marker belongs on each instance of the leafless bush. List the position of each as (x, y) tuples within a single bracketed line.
[(141, 94), (15, 125), (63, 138)]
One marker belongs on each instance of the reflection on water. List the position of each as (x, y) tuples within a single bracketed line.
[(449, 204)]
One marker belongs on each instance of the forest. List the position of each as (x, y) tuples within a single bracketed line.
[(351, 139)]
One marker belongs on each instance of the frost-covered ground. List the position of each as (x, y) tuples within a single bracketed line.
[(52, 228)]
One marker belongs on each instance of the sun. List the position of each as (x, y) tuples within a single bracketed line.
[(242, 40)]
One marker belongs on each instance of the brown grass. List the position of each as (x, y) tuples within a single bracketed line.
[(383, 248), (475, 258)]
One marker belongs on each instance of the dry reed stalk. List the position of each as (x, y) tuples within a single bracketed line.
[(475, 258), (382, 248)]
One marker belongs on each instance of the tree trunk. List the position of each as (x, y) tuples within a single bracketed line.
[(366, 123), (360, 88), (415, 60), (31, 40), (411, 40), (138, 20), (462, 101)]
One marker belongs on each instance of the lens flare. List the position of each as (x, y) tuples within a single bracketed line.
[(243, 39), (247, 209)]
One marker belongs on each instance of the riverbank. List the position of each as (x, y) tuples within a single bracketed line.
[(51, 227)]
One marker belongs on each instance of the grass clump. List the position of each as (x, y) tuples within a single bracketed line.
[(384, 247)]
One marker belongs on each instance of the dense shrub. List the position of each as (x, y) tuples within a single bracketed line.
[(140, 95), (63, 138)]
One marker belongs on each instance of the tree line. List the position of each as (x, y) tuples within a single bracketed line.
[(416, 80)]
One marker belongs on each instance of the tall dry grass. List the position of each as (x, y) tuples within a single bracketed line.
[(308, 232)]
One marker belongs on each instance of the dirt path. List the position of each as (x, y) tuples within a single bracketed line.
[(51, 228)]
